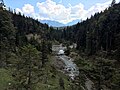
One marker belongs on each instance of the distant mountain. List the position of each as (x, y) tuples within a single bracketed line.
[(73, 22), (58, 24), (52, 23)]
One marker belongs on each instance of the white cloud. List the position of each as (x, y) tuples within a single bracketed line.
[(28, 9), (50, 10), (18, 11), (77, 11), (39, 17), (54, 11), (60, 13), (63, 14), (96, 8)]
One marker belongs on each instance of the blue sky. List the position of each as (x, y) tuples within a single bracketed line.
[(19, 4), (63, 11)]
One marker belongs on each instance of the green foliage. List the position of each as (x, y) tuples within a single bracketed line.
[(67, 52), (61, 83), (5, 79), (7, 37), (113, 2), (44, 52), (26, 61), (98, 32), (27, 70)]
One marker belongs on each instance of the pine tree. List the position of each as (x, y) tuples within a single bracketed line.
[(7, 35), (61, 83), (113, 2), (88, 43), (44, 52), (27, 71)]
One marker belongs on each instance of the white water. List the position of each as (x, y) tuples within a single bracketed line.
[(70, 68)]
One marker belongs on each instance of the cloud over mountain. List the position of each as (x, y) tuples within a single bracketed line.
[(50, 10)]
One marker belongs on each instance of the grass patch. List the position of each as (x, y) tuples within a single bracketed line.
[(50, 79), (5, 78)]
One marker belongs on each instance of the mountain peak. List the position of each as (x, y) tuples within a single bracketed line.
[(58, 24)]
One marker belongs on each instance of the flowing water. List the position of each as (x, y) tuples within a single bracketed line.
[(70, 68)]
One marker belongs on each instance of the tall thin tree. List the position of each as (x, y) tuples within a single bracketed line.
[(113, 2)]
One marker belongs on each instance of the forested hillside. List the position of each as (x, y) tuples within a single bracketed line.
[(28, 63), (98, 46), (23, 51), (101, 31), (16, 31)]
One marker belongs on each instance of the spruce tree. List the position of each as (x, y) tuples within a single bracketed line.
[(61, 83), (113, 2), (27, 71), (44, 52), (7, 35)]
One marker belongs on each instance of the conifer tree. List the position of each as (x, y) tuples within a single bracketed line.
[(61, 83), (7, 35), (27, 71), (44, 52), (113, 2)]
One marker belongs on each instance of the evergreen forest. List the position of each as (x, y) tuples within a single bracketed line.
[(27, 61)]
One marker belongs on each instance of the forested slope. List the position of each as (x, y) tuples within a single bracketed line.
[(98, 47), (25, 51), (101, 31), (26, 62)]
